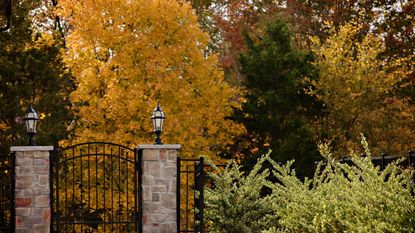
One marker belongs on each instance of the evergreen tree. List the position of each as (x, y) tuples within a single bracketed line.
[(276, 111), (31, 72)]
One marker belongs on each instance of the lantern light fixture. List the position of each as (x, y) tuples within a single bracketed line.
[(158, 121), (31, 119)]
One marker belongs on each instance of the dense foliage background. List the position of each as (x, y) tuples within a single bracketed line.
[(235, 78)]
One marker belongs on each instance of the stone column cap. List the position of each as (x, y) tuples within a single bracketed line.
[(30, 148), (160, 147)]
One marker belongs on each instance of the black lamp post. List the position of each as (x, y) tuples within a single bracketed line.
[(158, 121), (31, 119), (5, 14)]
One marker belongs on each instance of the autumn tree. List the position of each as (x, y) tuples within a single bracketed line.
[(276, 111), (391, 19), (32, 72), (127, 56), (359, 92)]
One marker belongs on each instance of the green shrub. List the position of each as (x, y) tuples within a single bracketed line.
[(340, 198), (235, 204)]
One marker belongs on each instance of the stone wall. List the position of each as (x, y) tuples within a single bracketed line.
[(32, 190), (159, 176)]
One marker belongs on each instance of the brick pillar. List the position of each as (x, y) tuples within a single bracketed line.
[(32, 205), (159, 177)]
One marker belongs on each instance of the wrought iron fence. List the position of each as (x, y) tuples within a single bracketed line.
[(7, 215), (95, 188), (307, 170), (193, 177), (186, 194)]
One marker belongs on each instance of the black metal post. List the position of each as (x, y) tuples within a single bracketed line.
[(199, 201), (137, 169), (52, 157), (140, 190), (31, 139), (13, 186), (158, 139), (383, 161), (178, 194)]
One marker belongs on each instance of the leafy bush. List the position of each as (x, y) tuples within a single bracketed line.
[(235, 204), (340, 198)]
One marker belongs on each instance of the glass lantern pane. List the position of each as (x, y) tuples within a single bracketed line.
[(31, 126), (27, 125), (158, 124), (161, 124), (34, 126), (31, 115), (154, 124)]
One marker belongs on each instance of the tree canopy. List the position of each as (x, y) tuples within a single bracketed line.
[(360, 93), (127, 56), (276, 111), (32, 73)]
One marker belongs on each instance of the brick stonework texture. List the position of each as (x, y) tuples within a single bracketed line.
[(159, 178), (32, 189)]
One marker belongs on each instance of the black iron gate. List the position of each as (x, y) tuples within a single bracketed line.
[(95, 187), (190, 202), (192, 179), (7, 216)]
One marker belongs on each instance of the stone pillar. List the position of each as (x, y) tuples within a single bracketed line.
[(32, 190), (159, 177)]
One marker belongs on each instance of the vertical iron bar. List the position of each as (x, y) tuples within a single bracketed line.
[(57, 192), (104, 186), (73, 187), (194, 197), (3, 220), (187, 196), (410, 154), (96, 178), (201, 201), (89, 177), (126, 188), (383, 161), (140, 190), (80, 186), (112, 191), (2, 191), (51, 181), (178, 163), (119, 189), (13, 183), (135, 190), (66, 191)]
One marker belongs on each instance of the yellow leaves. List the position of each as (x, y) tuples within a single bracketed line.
[(127, 56), (42, 116), (354, 85)]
